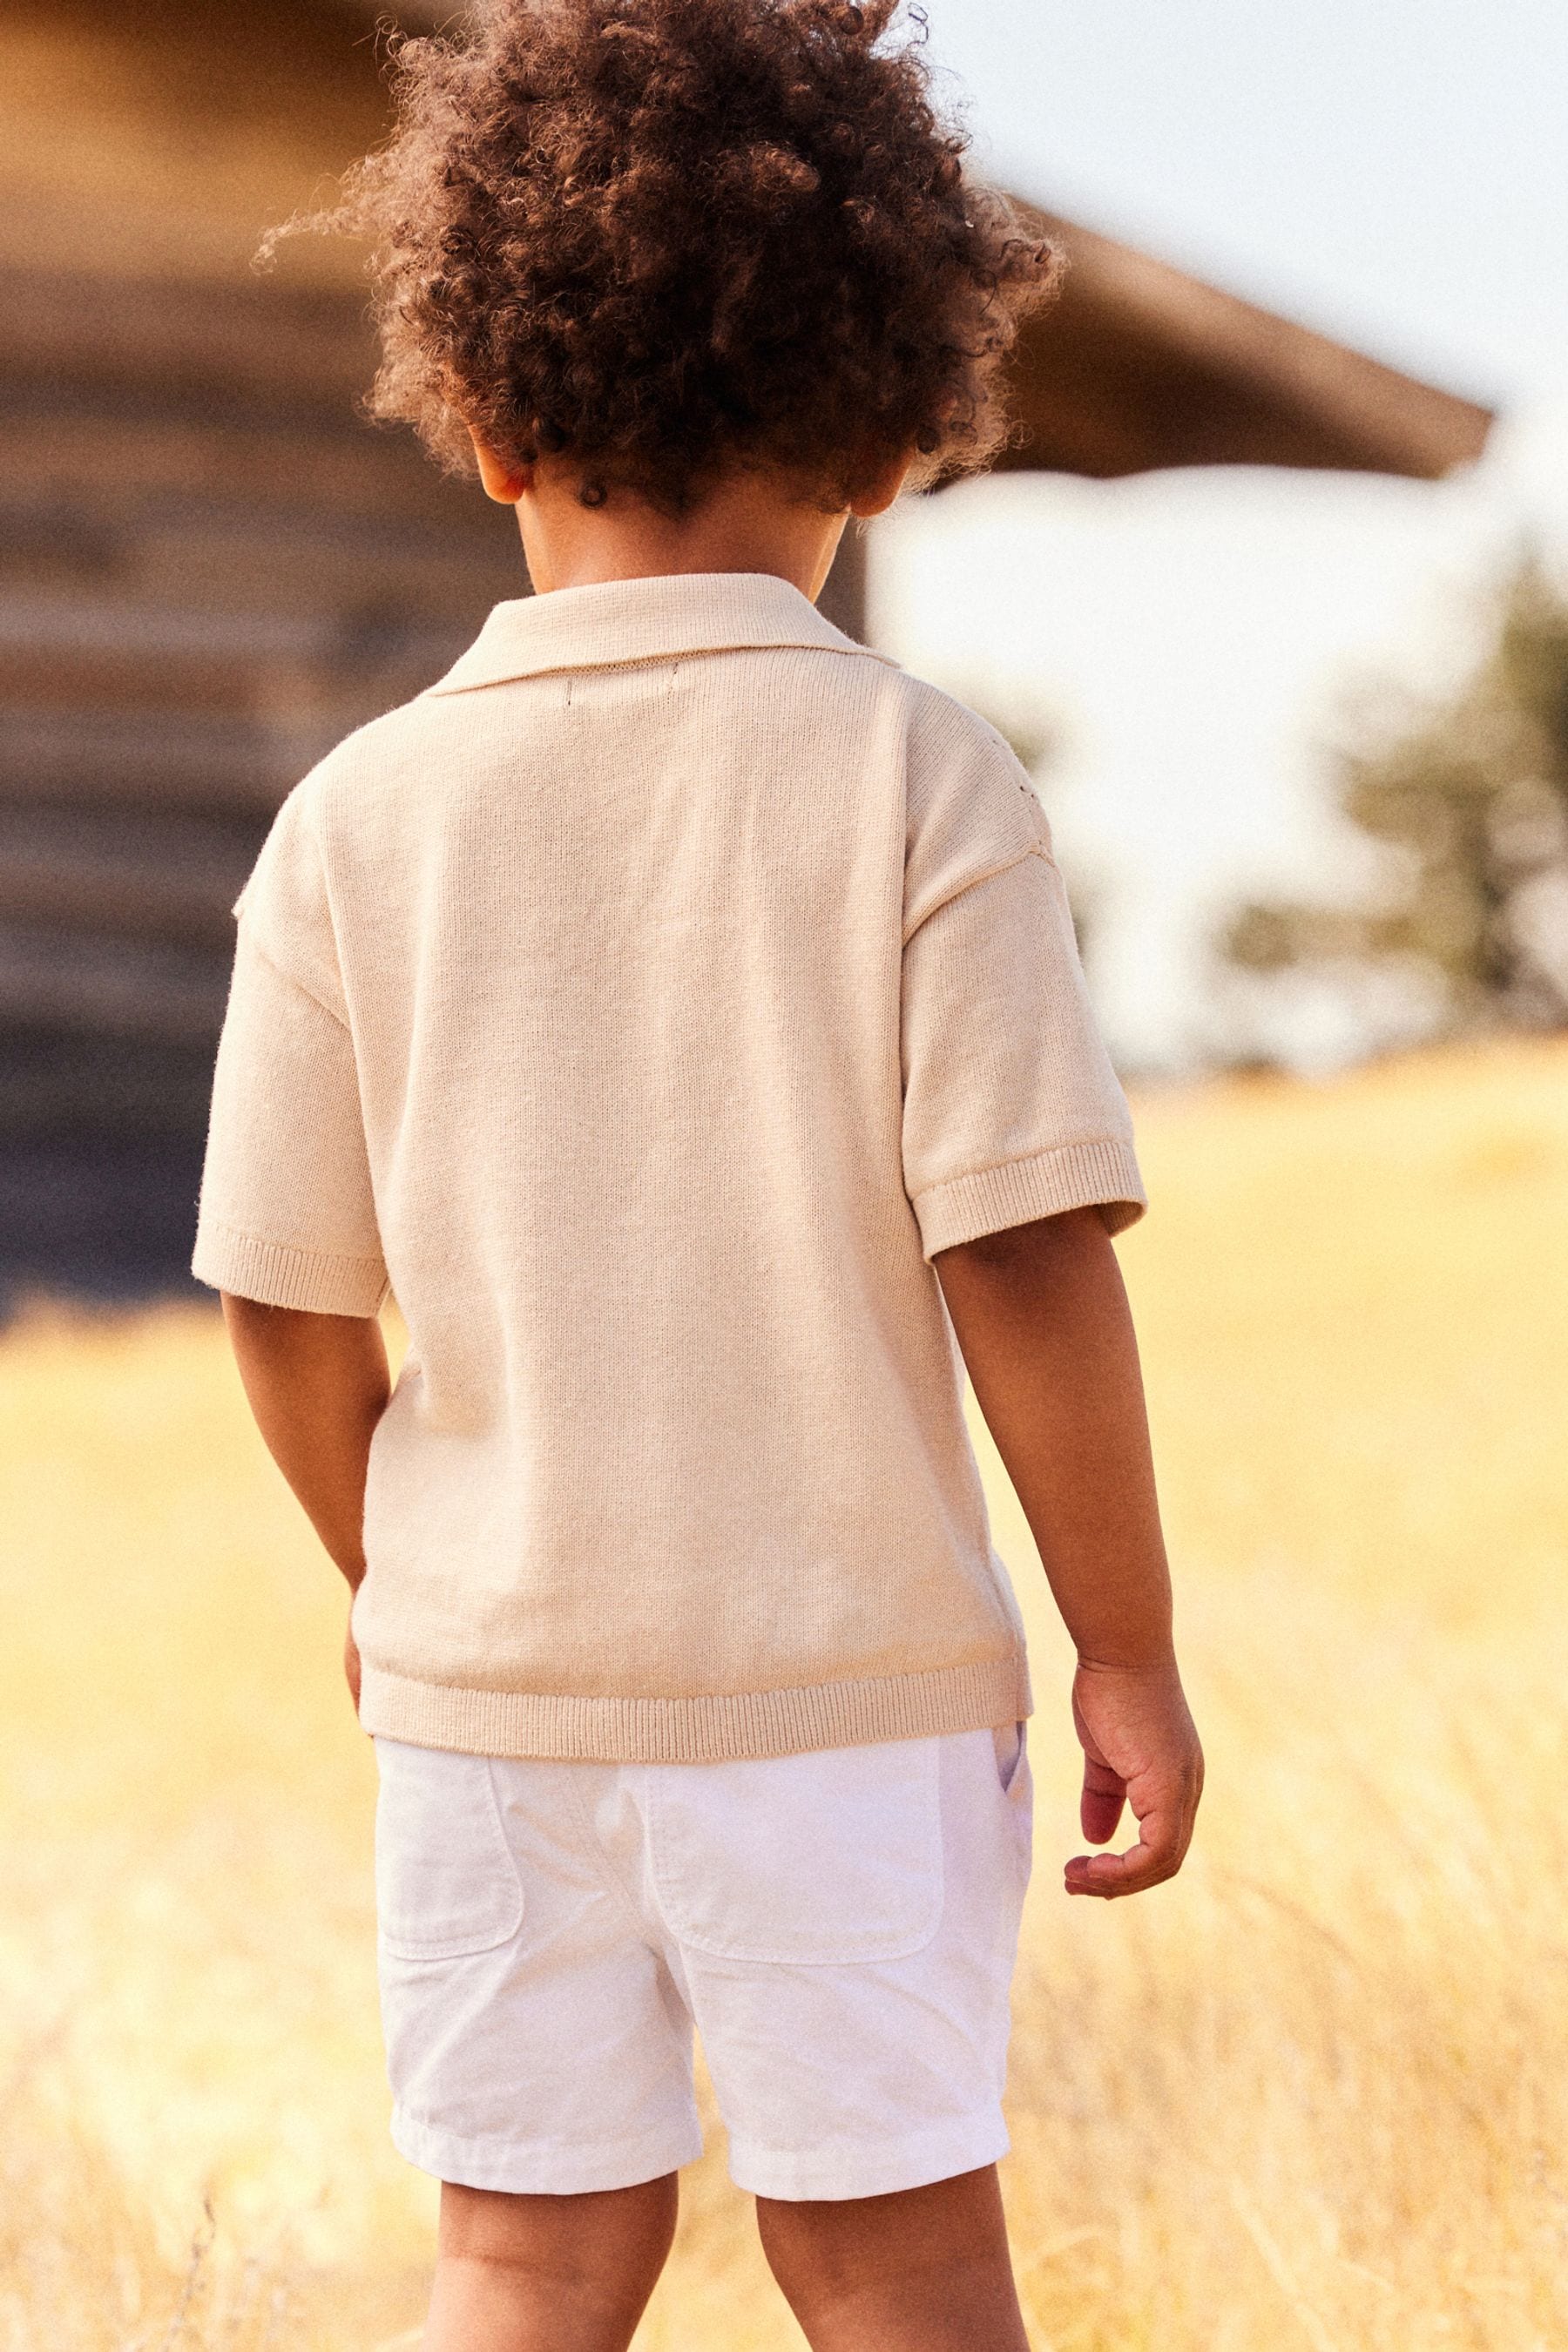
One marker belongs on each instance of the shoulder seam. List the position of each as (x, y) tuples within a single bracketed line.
[(247, 926), (973, 881)]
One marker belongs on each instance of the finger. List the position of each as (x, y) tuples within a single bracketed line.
[(1162, 1836), (1108, 1875), (1099, 1807)]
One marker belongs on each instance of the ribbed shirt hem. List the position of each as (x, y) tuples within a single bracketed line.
[(704, 1730), (277, 1274), (1102, 1175)]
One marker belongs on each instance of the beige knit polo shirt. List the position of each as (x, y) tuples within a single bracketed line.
[(645, 1004)]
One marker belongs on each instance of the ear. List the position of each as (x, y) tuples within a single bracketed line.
[(502, 481), (883, 488)]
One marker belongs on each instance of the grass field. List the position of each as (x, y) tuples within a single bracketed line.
[(1314, 2094)]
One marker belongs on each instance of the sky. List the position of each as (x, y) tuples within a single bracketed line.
[(1393, 172)]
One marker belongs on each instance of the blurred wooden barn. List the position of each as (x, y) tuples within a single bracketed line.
[(212, 568)]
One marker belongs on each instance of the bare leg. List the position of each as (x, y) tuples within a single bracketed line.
[(547, 2274), (926, 2271)]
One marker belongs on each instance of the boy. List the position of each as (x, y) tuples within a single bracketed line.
[(677, 1007)]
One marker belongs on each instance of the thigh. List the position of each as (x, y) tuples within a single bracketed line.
[(523, 2272), (536, 2042), (848, 1926)]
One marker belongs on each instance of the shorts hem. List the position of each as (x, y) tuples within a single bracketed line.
[(878, 2168), (543, 2171)]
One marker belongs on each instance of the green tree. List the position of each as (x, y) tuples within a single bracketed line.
[(1471, 794)]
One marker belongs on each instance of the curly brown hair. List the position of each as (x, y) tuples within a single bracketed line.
[(664, 238)]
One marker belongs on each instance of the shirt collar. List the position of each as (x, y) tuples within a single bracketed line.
[(615, 621)]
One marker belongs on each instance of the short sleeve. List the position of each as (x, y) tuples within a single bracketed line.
[(1012, 1110), (286, 903), (287, 1213)]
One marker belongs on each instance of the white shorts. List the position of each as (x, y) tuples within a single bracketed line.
[(840, 1927)]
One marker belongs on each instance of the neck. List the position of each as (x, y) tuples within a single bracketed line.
[(748, 523)]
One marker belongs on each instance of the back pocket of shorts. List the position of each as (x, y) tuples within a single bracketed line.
[(821, 1860), (446, 1884)]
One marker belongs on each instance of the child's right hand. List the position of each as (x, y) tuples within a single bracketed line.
[(1141, 1748)]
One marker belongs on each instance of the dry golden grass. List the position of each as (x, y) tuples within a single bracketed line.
[(1312, 2093)]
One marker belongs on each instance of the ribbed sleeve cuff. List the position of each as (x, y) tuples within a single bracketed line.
[(1102, 1175), (277, 1274)]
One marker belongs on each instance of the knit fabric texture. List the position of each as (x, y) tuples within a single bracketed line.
[(646, 1004)]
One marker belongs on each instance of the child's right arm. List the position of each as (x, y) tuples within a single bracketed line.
[(1043, 1321)]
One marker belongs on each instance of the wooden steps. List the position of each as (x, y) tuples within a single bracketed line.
[(211, 569)]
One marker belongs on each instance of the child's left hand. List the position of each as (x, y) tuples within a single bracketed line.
[(1140, 1749)]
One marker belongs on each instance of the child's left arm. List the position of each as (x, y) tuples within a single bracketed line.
[(317, 1384)]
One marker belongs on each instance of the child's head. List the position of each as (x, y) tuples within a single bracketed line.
[(662, 240)]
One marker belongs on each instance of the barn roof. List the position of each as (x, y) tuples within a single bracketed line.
[(1138, 365)]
